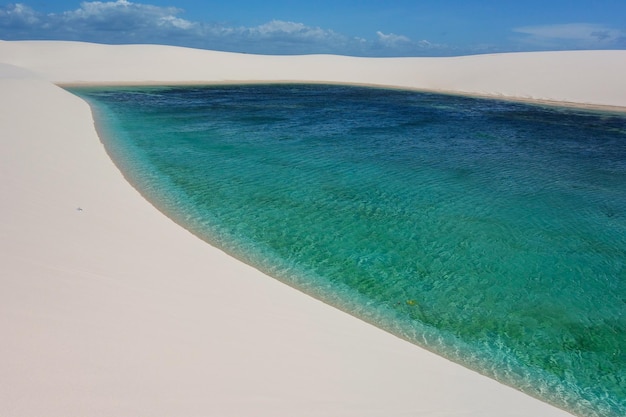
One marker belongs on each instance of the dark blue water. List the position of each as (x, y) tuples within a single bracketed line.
[(493, 233)]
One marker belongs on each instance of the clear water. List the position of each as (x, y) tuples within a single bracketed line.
[(493, 233)]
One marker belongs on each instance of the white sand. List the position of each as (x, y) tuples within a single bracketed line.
[(114, 310)]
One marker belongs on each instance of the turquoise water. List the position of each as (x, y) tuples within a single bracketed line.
[(492, 233)]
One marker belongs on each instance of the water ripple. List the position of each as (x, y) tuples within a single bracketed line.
[(493, 233)]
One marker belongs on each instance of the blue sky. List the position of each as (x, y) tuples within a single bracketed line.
[(362, 28)]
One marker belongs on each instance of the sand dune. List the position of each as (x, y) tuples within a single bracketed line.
[(109, 308), (583, 77)]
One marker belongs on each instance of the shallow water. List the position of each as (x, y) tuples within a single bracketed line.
[(493, 233)]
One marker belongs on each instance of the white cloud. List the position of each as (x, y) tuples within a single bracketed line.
[(391, 39), (99, 9), (400, 44), (176, 22), (124, 21), (292, 31), (18, 14), (578, 35), (112, 21), (121, 15), (282, 27)]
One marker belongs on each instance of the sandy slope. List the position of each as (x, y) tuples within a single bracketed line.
[(109, 308)]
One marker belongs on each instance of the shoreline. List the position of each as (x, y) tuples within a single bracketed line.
[(111, 308), (530, 101)]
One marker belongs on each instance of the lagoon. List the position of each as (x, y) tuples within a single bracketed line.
[(493, 233)]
